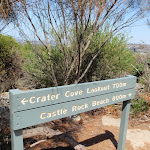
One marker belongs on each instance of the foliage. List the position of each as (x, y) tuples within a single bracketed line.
[(4, 127), (138, 66), (113, 60), (7, 13), (6, 9), (142, 69), (36, 64), (9, 62), (72, 25), (54, 20), (138, 105)]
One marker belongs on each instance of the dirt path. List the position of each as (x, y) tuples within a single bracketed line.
[(101, 133), (97, 132), (138, 137)]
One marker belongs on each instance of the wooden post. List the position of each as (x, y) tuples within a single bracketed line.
[(16, 135), (123, 125), (28, 108), (17, 140)]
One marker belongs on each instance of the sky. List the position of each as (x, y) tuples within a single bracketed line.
[(138, 33)]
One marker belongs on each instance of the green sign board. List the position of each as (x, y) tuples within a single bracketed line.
[(28, 108), (38, 98)]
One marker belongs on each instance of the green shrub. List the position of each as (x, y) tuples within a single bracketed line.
[(142, 69), (113, 61), (138, 105), (9, 62), (36, 64)]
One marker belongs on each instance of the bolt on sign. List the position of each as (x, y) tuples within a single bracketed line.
[(28, 108)]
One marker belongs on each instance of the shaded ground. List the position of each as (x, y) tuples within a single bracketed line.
[(97, 131), (101, 133)]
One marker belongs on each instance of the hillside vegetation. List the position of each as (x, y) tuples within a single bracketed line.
[(29, 62)]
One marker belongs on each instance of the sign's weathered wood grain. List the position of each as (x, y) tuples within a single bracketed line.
[(44, 114), (25, 100)]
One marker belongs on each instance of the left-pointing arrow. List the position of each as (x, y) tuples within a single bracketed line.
[(24, 101)]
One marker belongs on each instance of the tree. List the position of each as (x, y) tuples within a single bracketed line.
[(7, 13), (54, 20), (139, 3), (10, 69), (114, 60), (72, 24)]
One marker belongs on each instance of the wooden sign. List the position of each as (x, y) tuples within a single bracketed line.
[(28, 108), (48, 96)]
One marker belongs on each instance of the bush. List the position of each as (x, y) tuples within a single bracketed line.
[(139, 105), (142, 69), (10, 69), (36, 64), (113, 61)]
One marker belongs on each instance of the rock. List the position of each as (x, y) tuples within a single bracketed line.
[(139, 86), (75, 118), (4, 100), (138, 137), (144, 117), (4, 111), (4, 95), (109, 121)]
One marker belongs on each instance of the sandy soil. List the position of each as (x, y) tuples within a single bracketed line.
[(98, 131), (101, 133)]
